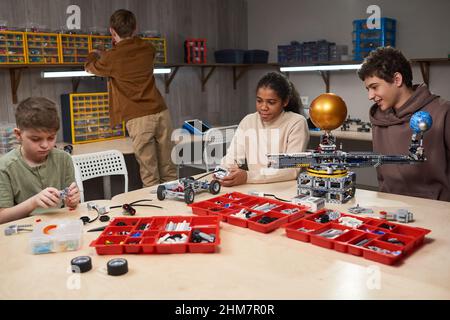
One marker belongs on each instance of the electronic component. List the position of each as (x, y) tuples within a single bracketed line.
[(313, 203), (16, 228)]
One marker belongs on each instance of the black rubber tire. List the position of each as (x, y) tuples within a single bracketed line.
[(161, 192), (189, 195), (214, 187)]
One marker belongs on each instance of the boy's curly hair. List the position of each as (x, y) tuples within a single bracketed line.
[(383, 63), (37, 113)]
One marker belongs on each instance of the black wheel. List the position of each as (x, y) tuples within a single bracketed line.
[(189, 195), (214, 187), (161, 192)]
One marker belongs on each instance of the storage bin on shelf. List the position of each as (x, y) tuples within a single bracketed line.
[(85, 118)]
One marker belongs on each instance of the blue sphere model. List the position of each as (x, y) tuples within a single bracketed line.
[(420, 121)]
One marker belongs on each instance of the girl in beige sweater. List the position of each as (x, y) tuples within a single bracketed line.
[(277, 126)]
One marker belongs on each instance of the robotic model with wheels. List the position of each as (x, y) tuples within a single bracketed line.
[(327, 173), (186, 188)]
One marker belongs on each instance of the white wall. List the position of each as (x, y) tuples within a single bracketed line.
[(423, 31)]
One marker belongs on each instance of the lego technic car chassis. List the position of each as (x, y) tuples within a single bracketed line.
[(186, 188)]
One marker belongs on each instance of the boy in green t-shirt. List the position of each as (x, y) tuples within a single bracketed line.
[(36, 175)]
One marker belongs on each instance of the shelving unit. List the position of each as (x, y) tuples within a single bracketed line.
[(206, 71), (42, 47), (100, 42), (160, 46), (74, 48), (86, 118), (12, 47)]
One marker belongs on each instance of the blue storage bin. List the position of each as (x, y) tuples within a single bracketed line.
[(229, 56), (256, 56), (196, 126), (365, 40)]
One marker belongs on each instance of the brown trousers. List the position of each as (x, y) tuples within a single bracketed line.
[(151, 137)]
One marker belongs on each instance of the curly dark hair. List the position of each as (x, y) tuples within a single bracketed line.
[(383, 63), (284, 89)]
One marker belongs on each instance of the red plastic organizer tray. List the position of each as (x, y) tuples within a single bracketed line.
[(376, 231), (228, 204), (127, 235)]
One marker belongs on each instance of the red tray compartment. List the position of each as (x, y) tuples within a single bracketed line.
[(253, 223), (355, 250), (202, 208), (205, 247), (293, 216), (157, 223), (203, 222), (321, 241), (382, 257), (148, 244), (407, 242), (117, 231), (236, 197), (133, 245), (293, 232), (376, 231), (341, 242), (373, 230), (116, 247), (136, 240), (232, 203), (172, 247), (417, 233)]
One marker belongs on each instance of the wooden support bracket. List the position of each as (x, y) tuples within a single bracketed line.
[(208, 75), (425, 70), (326, 78), (237, 75), (75, 84), (168, 79), (15, 76)]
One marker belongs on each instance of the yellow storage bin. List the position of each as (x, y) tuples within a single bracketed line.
[(12, 47), (74, 48), (42, 48), (85, 118)]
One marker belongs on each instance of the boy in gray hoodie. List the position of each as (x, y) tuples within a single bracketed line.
[(387, 76)]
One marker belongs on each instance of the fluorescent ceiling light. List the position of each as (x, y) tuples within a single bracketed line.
[(162, 70), (65, 74), (72, 74), (322, 68)]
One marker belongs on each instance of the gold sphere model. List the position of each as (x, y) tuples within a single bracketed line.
[(328, 111)]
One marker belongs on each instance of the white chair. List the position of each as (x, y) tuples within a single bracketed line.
[(216, 139), (100, 164)]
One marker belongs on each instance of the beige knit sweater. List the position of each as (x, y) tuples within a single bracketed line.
[(254, 139)]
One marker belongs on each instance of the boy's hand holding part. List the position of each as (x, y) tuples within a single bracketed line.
[(51, 197), (72, 198)]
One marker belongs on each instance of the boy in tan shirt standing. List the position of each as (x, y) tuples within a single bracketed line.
[(135, 99)]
